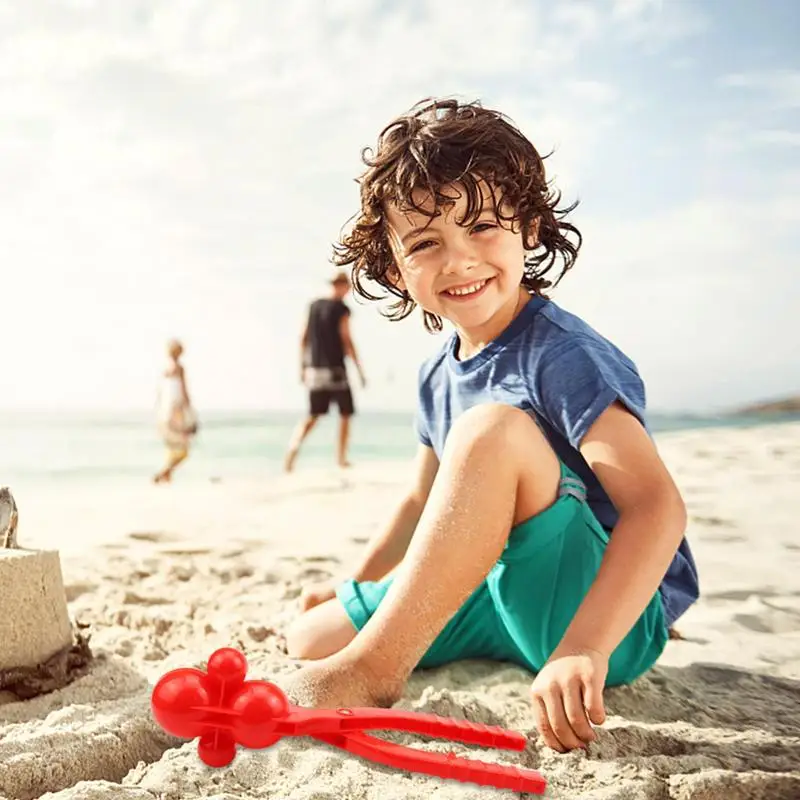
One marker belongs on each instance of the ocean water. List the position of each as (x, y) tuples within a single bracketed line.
[(77, 447)]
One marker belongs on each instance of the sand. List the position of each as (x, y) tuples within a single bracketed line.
[(165, 575)]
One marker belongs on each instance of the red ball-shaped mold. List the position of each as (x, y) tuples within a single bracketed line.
[(254, 707), (180, 701)]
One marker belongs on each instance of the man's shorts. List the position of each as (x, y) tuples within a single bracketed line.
[(319, 401), (522, 609)]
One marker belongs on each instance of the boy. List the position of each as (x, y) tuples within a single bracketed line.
[(533, 448)]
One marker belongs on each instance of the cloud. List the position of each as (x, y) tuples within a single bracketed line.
[(780, 87), (655, 23), (777, 137)]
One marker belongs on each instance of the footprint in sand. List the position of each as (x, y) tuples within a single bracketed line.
[(456, 705), (235, 553), (753, 749), (772, 619), (234, 573), (711, 696), (314, 574), (134, 599), (753, 764), (185, 550), (74, 590), (97, 728), (712, 521), (260, 633), (729, 539), (733, 785), (181, 572), (707, 732), (310, 559), (151, 536)]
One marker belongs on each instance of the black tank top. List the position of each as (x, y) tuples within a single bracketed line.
[(324, 340)]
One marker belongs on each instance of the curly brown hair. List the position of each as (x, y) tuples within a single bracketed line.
[(439, 143)]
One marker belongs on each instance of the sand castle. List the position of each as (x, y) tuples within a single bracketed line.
[(41, 650)]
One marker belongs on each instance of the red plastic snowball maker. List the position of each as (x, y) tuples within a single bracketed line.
[(223, 710)]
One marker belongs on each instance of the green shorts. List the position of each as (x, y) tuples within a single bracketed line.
[(521, 611)]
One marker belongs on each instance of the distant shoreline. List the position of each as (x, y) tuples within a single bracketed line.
[(786, 405)]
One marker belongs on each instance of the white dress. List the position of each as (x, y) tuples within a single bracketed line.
[(177, 421)]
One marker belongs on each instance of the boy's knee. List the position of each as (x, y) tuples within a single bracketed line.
[(294, 639), (319, 633), (301, 641), (497, 425)]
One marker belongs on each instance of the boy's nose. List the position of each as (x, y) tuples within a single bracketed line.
[(461, 257)]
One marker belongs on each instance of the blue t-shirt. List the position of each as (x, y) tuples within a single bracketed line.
[(552, 363)]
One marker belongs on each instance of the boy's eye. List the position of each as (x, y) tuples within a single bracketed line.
[(423, 245), (483, 226)]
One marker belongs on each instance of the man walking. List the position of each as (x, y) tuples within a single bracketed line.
[(325, 342)]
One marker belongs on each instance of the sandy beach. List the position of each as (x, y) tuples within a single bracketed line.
[(162, 576)]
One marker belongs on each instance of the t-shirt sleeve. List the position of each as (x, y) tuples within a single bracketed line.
[(421, 428), (424, 409), (579, 381)]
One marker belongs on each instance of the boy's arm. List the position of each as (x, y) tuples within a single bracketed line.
[(348, 346), (652, 520), (387, 549)]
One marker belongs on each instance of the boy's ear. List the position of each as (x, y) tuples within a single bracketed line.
[(395, 278)]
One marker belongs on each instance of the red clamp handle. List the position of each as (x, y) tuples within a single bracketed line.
[(448, 766), (311, 722)]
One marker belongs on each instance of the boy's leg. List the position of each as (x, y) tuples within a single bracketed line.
[(496, 471), (320, 632)]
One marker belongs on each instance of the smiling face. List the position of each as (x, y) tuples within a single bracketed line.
[(459, 265)]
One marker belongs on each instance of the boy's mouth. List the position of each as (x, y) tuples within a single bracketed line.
[(466, 291)]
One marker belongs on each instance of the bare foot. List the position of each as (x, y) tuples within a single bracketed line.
[(288, 462), (345, 464), (329, 683)]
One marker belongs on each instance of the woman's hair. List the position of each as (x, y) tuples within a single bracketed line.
[(443, 142)]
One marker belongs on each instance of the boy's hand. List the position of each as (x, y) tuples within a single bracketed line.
[(568, 697), (316, 595)]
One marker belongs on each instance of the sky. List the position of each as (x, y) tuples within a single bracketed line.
[(180, 169)]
